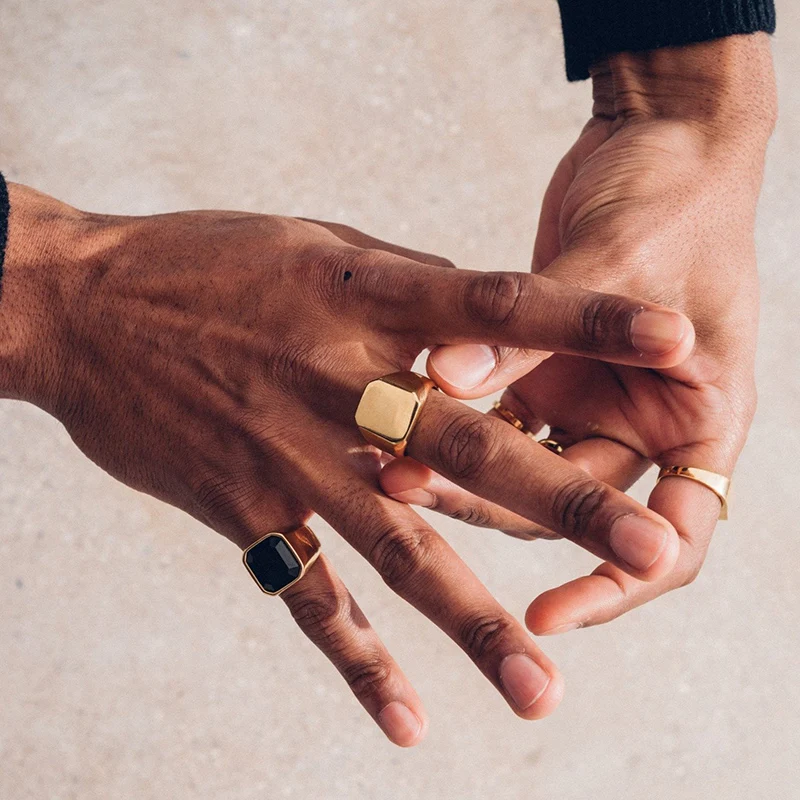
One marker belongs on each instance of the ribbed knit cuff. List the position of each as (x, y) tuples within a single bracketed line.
[(596, 28), (4, 211)]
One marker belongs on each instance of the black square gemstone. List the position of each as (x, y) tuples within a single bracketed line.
[(273, 563)]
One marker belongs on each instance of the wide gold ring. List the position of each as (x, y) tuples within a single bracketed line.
[(390, 408), (717, 483), (278, 560)]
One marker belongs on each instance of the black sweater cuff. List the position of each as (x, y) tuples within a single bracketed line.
[(596, 28), (4, 211)]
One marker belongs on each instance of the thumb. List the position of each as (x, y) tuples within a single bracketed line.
[(469, 371)]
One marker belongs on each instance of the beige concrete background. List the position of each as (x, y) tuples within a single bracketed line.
[(137, 660)]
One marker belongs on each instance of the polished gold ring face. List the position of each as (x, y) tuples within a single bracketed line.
[(389, 410), (717, 483), (552, 445), (512, 419), (509, 416), (279, 560)]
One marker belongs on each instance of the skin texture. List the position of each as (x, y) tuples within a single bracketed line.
[(215, 360), (656, 198)]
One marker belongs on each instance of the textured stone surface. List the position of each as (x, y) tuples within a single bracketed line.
[(137, 658)]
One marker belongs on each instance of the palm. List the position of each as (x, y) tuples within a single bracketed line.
[(662, 211), (604, 186), (639, 209), (652, 414)]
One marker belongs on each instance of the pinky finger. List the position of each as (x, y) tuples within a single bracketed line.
[(327, 613)]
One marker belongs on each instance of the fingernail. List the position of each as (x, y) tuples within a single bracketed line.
[(415, 497), (400, 723), (464, 366), (657, 332), (566, 628), (638, 541), (523, 679)]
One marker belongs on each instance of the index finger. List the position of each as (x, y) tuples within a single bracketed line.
[(533, 312)]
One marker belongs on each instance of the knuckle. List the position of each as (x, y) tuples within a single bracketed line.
[(227, 503), (325, 269), (483, 633), (346, 278), (401, 554), (603, 321), (576, 506), (329, 263), (318, 610), (493, 299), (472, 515), (320, 615), (367, 677), (466, 446), (217, 498), (296, 364)]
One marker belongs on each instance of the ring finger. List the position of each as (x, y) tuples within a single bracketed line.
[(423, 569), (490, 458)]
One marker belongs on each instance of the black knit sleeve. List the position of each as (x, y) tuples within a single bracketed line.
[(597, 28), (4, 211)]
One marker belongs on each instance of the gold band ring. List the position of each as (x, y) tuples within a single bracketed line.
[(717, 483), (278, 560), (509, 416), (553, 445), (512, 419), (389, 410)]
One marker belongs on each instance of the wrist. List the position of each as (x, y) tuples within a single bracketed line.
[(44, 260), (720, 86)]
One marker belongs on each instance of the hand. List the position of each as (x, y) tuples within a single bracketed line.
[(215, 360), (656, 199)]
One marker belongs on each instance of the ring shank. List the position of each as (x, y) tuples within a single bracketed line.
[(717, 483), (304, 542)]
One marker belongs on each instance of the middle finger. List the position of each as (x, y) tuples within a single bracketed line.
[(408, 481), (490, 458)]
